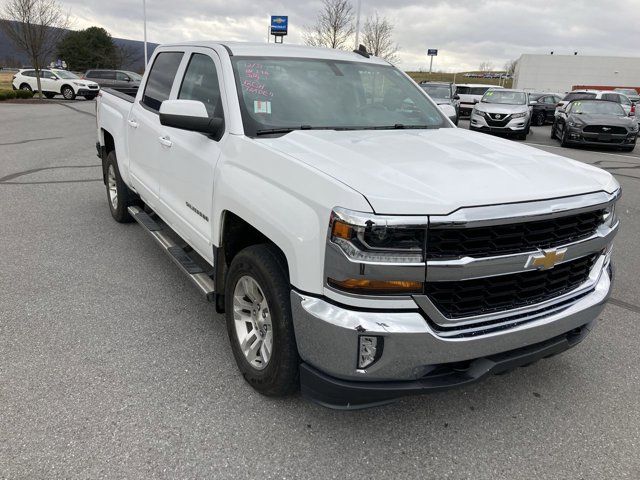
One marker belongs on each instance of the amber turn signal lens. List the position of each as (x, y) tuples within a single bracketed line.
[(341, 230), (377, 286)]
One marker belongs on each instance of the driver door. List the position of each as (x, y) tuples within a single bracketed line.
[(188, 164)]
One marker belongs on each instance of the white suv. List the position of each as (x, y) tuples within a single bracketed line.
[(56, 82)]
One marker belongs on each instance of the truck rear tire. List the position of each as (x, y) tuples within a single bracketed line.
[(259, 320), (118, 194)]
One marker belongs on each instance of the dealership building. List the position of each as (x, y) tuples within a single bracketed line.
[(563, 73)]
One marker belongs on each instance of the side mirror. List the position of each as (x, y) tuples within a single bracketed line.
[(53, 77), (533, 102), (190, 115), (456, 97), (127, 79)]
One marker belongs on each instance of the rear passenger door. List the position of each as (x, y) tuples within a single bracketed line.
[(188, 166), (144, 132)]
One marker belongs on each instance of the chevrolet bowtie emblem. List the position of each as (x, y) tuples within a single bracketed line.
[(546, 259)]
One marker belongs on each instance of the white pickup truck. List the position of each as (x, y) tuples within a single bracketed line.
[(361, 247)]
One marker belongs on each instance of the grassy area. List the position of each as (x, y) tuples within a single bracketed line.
[(460, 78), (5, 80)]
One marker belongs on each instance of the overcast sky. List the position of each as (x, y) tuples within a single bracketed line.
[(466, 32)]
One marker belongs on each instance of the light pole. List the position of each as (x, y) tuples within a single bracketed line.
[(144, 16), (358, 8)]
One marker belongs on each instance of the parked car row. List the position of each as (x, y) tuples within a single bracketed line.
[(63, 82), (585, 117)]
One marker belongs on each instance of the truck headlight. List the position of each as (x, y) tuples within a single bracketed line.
[(371, 254), (609, 217)]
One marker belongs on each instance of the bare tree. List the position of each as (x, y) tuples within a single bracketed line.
[(35, 27), (510, 67), (377, 37), (485, 67), (333, 27)]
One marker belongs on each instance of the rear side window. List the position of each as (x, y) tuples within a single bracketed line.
[(201, 83), (29, 73), (160, 80), (478, 90), (579, 96), (122, 77), (612, 97)]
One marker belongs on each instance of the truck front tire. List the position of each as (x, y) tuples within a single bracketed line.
[(118, 194), (259, 320)]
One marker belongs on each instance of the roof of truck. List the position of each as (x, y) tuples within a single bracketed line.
[(255, 49)]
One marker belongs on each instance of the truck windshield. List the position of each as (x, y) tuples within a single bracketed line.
[(278, 95), (505, 97)]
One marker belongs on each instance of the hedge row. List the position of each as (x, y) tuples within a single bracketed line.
[(11, 94)]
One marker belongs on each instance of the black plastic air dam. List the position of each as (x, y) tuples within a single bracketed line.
[(344, 394)]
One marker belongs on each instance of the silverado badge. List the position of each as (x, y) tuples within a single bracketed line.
[(546, 259)]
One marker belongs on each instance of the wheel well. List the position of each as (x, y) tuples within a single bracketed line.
[(67, 85), (25, 84), (109, 146), (237, 234)]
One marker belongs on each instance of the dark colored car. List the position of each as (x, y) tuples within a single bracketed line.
[(443, 93), (544, 107), (596, 123), (113, 78)]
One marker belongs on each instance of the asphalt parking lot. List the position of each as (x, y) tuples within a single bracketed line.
[(113, 366)]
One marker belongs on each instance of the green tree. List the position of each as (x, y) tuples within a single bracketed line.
[(89, 48)]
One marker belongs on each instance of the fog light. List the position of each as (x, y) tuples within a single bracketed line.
[(369, 350)]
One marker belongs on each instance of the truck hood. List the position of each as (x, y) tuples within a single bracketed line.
[(418, 172)]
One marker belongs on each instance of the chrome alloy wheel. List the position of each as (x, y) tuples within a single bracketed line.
[(112, 188), (252, 320)]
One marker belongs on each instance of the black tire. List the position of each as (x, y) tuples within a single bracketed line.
[(553, 130), (124, 197), (539, 119), (89, 97), (563, 140), (25, 86), (49, 95), (68, 93), (265, 264)]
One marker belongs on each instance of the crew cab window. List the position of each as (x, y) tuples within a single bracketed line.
[(161, 76), (201, 83)]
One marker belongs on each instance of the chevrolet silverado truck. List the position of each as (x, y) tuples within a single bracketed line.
[(361, 247)]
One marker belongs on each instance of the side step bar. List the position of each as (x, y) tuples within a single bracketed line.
[(197, 275)]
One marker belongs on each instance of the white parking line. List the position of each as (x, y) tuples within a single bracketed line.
[(637, 157)]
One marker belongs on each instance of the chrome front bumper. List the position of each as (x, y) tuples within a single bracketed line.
[(327, 335)]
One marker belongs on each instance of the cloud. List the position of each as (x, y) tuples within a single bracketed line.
[(466, 32)]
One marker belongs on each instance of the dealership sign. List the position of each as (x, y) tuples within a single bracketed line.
[(432, 52), (279, 25)]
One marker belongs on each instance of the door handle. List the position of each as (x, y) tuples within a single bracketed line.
[(132, 123), (165, 141)]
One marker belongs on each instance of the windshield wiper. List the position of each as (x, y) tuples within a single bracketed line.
[(402, 126), (268, 131)]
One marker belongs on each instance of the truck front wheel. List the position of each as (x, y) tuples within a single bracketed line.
[(259, 322), (118, 194)]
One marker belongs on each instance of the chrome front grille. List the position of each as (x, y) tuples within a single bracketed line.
[(480, 270), (512, 237), (505, 292)]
